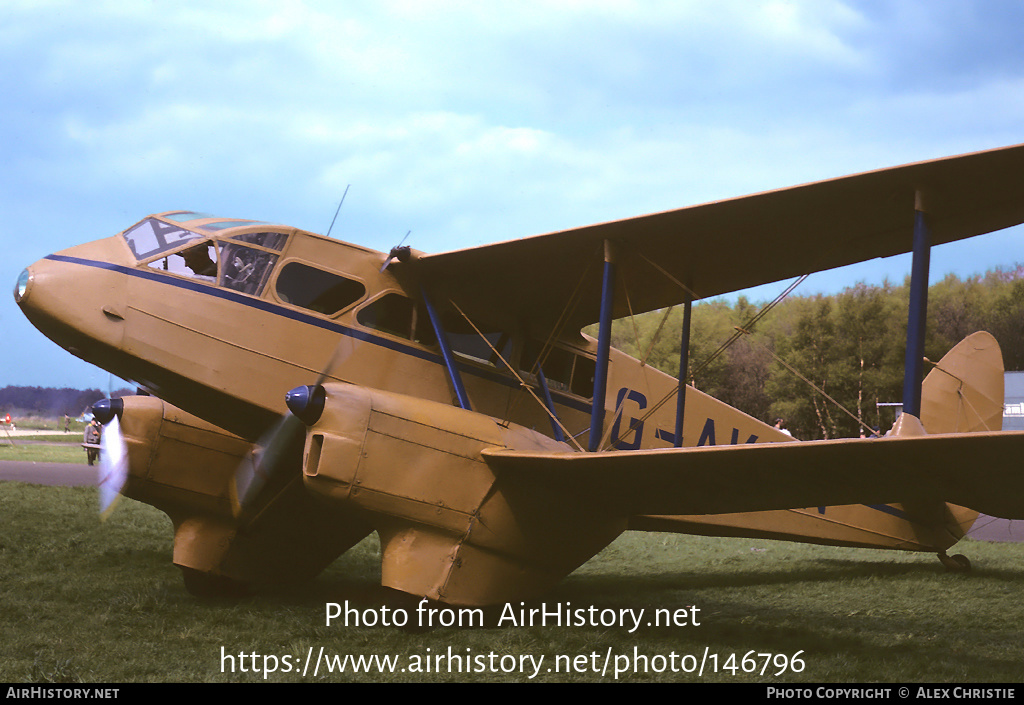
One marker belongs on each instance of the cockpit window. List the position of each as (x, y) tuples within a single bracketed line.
[(151, 237), (240, 262), (225, 224), (315, 289), (185, 216), (272, 241), (197, 262), (245, 269)]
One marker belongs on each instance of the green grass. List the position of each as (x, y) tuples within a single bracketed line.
[(43, 451), (70, 437), (54, 423), (92, 602)]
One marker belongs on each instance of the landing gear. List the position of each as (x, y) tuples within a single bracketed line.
[(957, 563)]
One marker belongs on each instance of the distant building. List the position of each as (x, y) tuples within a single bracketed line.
[(1013, 401), (988, 528)]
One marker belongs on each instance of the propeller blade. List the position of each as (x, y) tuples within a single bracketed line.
[(113, 472), (268, 456), (270, 453)]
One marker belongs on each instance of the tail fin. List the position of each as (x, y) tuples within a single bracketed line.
[(964, 393)]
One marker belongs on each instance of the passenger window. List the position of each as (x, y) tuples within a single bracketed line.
[(564, 370), (583, 377), (316, 289), (245, 269), (471, 345), (397, 315), (556, 363), (196, 262)]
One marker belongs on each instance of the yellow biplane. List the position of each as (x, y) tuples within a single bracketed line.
[(450, 403)]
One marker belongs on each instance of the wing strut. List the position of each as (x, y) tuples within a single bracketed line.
[(556, 427), (604, 337), (913, 366), (446, 353), (561, 433), (684, 364)]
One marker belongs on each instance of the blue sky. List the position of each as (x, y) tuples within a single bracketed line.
[(469, 122)]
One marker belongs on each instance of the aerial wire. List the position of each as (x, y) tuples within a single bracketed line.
[(338, 210)]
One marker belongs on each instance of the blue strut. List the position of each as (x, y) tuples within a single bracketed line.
[(446, 354), (604, 338), (913, 369), (684, 365)]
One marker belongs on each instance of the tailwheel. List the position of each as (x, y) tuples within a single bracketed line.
[(957, 563), (203, 584)]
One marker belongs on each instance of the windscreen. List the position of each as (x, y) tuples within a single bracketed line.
[(151, 237)]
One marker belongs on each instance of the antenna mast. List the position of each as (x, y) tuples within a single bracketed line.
[(338, 210)]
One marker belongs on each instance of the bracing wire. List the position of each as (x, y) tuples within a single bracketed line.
[(740, 331)]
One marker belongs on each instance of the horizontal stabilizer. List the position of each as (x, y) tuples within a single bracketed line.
[(978, 470)]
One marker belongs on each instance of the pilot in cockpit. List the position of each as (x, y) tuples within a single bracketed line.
[(198, 260)]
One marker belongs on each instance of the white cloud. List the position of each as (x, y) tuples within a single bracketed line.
[(474, 121)]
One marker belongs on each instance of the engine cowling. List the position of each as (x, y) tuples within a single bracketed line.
[(187, 467), (451, 529)]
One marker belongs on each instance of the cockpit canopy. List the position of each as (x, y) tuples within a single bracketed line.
[(241, 255), (202, 247)]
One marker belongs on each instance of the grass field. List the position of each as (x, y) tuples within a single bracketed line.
[(91, 602), (45, 449)]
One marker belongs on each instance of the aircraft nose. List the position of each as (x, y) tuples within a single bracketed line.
[(21, 288), (76, 303)]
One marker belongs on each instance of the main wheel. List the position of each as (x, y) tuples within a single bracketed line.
[(957, 563)]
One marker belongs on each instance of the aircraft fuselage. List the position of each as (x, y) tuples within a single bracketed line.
[(226, 347), (220, 318)]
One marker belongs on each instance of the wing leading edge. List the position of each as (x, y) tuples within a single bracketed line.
[(973, 470), (729, 245)]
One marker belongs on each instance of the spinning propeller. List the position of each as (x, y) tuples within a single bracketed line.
[(271, 453), (113, 472)]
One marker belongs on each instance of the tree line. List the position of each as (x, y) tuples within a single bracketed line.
[(47, 401), (849, 346)]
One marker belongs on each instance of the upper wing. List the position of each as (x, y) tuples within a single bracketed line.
[(978, 470), (729, 245)]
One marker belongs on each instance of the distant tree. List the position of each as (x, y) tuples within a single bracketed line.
[(850, 346), (46, 401)]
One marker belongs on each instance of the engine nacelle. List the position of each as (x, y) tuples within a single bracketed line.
[(187, 467), (451, 529)]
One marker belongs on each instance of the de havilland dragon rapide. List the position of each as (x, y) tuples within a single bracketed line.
[(297, 393)]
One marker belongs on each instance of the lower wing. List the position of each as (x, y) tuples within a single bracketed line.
[(976, 470)]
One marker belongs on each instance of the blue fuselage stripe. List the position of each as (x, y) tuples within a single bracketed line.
[(275, 309)]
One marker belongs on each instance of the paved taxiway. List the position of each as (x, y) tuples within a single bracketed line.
[(64, 474)]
